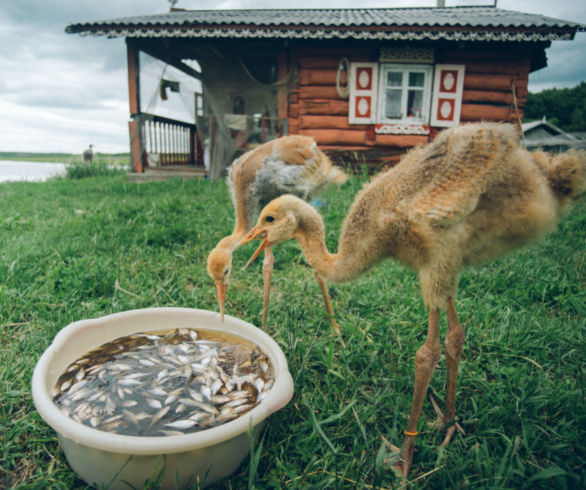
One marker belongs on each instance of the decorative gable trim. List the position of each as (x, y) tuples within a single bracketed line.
[(406, 54), (321, 33)]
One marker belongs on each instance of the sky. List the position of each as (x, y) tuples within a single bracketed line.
[(60, 92)]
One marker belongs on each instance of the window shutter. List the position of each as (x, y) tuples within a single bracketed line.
[(363, 88), (447, 95)]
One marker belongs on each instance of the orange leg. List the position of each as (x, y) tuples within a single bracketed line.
[(324, 291), (425, 361), (267, 272), (453, 344)]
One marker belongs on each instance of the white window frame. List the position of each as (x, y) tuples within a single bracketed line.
[(405, 68)]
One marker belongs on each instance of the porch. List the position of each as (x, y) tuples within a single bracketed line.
[(229, 110)]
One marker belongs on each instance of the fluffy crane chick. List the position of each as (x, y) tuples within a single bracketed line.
[(288, 165), (471, 195)]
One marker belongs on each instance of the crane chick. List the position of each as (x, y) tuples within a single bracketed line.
[(287, 165), (471, 195)]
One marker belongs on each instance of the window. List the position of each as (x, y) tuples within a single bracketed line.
[(405, 98), (404, 93)]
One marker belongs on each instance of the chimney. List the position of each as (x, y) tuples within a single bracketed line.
[(441, 3)]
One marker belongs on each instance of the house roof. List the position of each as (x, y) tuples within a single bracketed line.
[(451, 23), (543, 126), (542, 133)]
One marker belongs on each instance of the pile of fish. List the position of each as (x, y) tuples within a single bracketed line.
[(164, 383)]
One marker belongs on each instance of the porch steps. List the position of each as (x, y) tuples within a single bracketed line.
[(158, 174)]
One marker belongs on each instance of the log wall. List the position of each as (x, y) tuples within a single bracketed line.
[(495, 78)]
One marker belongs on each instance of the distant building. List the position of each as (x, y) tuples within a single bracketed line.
[(542, 134)]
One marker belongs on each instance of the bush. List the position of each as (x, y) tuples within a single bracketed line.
[(80, 170)]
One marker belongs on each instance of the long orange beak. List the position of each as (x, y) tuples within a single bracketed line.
[(252, 234), (221, 297)]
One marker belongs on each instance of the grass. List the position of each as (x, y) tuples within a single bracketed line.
[(99, 167), (72, 249)]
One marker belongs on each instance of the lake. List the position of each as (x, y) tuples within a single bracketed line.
[(11, 171)]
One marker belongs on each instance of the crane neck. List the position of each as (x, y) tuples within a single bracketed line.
[(345, 265), (230, 242)]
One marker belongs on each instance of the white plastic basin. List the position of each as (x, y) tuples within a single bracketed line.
[(112, 460)]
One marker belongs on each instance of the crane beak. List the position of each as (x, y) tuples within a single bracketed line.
[(221, 297), (252, 234)]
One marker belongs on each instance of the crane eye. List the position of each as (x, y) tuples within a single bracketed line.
[(269, 219), (226, 272)]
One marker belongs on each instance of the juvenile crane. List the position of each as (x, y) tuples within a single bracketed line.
[(287, 165), (470, 196)]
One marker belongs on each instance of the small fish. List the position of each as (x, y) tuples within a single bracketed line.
[(158, 392), (128, 382), (242, 408), (182, 424), (195, 395), (80, 374), (215, 386), (113, 419), (170, 399), (111, 427), (206, 392), (65, 386), (236, 402), (160, 414), (259, 384), (130, 416), (163, 383), (220, 399), (136, 375), (154, 404)]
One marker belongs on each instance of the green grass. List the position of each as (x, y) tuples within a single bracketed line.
[(98, 168), (73, 249)]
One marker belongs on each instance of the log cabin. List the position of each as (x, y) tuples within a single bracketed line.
[(367, 84)]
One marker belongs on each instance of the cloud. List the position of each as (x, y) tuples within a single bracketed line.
[(60, 92)]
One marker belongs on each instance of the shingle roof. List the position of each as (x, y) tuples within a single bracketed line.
[(454, 23)]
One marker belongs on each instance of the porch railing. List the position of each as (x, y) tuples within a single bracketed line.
[(158, 141), (169, 142)]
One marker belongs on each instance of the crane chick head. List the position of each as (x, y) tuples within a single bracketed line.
[(219, 266), (278, 222)]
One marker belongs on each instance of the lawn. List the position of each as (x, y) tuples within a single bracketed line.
[(73, 249)]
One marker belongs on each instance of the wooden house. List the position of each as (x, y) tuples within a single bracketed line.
[(367, 84)]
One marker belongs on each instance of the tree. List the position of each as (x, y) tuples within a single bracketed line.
[(567, 106)]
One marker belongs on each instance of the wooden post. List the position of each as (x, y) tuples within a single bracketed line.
[(282, 95), (135, 153), (136, 139)]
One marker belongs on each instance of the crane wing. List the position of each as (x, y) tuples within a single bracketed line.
[(464, 164)]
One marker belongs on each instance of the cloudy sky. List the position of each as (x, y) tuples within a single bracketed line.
[(60, 92)]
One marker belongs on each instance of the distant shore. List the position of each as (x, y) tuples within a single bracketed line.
[(110, 158)]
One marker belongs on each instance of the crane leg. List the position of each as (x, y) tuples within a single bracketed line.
[(267, 272), (324, 291), (426, 359), (453, 349)]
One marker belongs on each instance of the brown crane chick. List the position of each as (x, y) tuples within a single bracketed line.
[(287, 165), (471, 195)]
